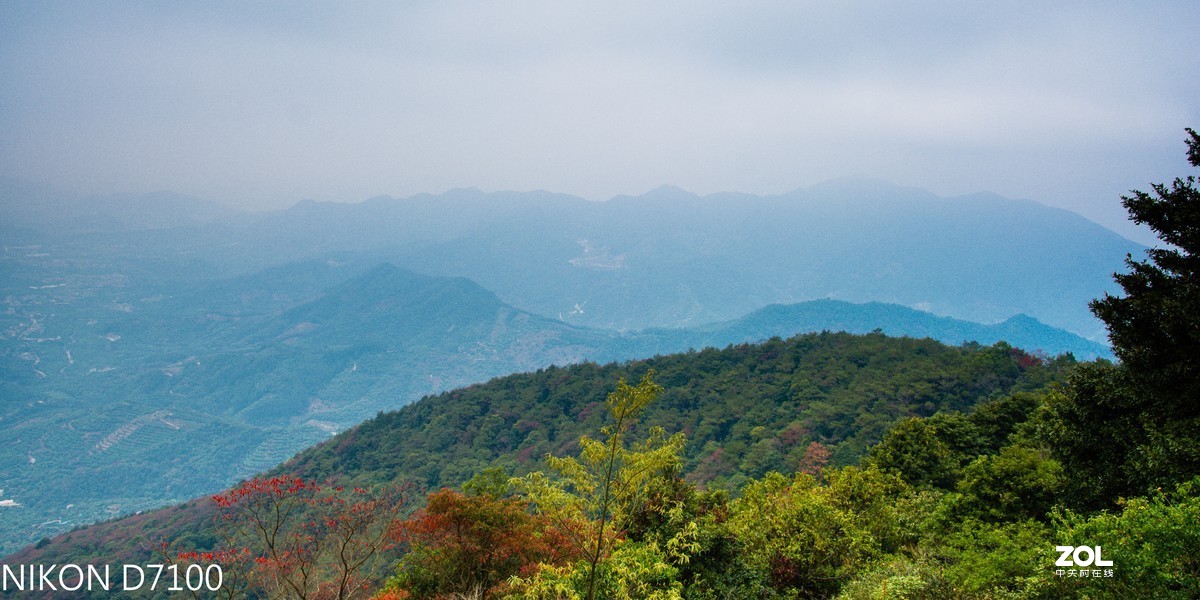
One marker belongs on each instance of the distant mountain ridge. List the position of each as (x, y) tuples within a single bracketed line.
[(36, 205), (673, 259), (1021, 331), (669, 258)]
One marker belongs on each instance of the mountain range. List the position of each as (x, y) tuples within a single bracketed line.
[(148, 359), (669, 258)]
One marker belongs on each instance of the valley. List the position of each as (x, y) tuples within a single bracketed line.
[(144, 366)]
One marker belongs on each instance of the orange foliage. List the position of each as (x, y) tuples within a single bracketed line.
[(461, 543)]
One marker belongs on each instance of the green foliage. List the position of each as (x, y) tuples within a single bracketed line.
[(913, 450), (802, 538), (634, 571), (932, 453), (996, 420), (1094, 430), (594, 496), (1153, 542), (640, 570), (492, 482), (1018, 484), (998, 560), (900, 578), (876, 501), (693, 526)]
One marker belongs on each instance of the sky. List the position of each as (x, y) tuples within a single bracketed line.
[(259, 105)]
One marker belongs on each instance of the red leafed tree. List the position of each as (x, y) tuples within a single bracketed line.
[(471, 544), (286, 537), (235, 566), (816, 456)]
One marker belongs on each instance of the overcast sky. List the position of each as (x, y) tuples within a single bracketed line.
[(260, 105)]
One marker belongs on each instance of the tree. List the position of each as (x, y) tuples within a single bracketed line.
[(591, 500), (471, 544), (287, 537), (1123, 429), (816, 456), (1016, 484), (928, 452), (1155, 326), (806, 540)]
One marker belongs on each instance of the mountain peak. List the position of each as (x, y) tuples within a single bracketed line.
[(1022, 319), (667, 192)]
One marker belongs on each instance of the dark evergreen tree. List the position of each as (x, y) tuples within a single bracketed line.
[(1155, 326), (1121, 429)]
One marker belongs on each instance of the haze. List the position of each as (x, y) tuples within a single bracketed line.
[(259, 105)]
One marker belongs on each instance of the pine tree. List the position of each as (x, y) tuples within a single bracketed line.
[(1122, 429), (1155, 326)]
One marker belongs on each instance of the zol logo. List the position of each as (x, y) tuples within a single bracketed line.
[(1080, 556)]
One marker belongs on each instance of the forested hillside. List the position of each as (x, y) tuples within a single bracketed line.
[(810, 401), (746, 410)]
